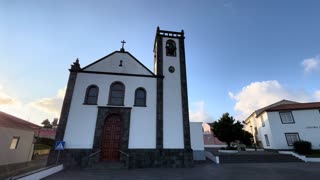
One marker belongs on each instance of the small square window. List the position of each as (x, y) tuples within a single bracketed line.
[(14, 142), (291, 138), (286, 117)]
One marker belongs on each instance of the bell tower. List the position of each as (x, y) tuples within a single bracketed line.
[(173, 131)]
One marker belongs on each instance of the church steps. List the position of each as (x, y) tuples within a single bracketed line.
[(107, 165)]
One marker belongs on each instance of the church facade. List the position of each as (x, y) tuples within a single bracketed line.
[(116, 109)]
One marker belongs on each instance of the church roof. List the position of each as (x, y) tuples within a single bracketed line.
[(7, 120), (149, 72)]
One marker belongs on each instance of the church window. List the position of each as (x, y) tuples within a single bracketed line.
[(140, 97), (92, 95), (171, 69), (170, 48), (116, 95)]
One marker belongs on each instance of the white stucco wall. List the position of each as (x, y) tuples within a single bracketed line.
[(172, 104), (24, 148), (111, 64), (307, 124), (196, 136), (82, 118), (264, 130)]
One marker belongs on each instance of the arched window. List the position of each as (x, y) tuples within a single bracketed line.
[(91, 95), (170, 48), (116, 94), (140, 97)]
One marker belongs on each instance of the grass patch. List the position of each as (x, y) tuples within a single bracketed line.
[(41, 146)]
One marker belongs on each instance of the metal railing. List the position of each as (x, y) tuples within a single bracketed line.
[(87, 158), (92, 154), (127, 158)]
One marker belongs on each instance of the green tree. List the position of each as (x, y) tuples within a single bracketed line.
[(226, 129), (46, 123), (246, 138), (55, 123)]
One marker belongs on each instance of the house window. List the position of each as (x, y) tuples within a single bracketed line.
[(291, 138), (255, 130), (140, 97), (267, 139), (262, 121), (170, 48), (91, 95), (286, 118), (116, 94), (14, 142)]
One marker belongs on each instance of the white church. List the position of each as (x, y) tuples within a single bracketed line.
[(116, 109)]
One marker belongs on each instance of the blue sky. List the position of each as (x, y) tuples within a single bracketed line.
[(241, 55)]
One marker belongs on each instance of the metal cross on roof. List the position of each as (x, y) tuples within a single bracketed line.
[(122, 49)]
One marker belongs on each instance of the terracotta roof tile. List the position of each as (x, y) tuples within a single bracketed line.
[(8, 120), (296, 106)]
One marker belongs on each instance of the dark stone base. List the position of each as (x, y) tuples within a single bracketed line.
[(70, 157), (138, 158)]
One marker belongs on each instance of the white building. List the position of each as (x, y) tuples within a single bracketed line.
[(116, 107), (16, 139), (279, 125)]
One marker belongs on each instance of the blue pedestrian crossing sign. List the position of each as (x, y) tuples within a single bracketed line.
[(59, 145)]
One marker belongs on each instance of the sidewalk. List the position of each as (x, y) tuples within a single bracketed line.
[(7, 171)]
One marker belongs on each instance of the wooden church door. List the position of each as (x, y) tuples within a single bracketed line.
[(111, 139)]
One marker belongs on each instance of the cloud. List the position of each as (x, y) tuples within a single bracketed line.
[(260, 94), (198, 113), (6, 99), (50, 105), (311, 64)]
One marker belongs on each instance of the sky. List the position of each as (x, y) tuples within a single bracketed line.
[(241, 55)]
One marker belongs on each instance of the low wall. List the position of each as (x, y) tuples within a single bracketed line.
[(198, 155), (214, 146), (41, 152), (302, 157), (213, 158)]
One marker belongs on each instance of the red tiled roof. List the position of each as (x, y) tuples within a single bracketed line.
[(10, 121), (295, 106)]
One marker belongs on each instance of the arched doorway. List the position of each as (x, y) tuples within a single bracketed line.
[(111, 139)]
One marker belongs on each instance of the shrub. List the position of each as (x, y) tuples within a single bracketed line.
[(302, 147), (246, 138)]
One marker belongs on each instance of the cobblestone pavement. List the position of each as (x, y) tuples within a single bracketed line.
[(210, 171)]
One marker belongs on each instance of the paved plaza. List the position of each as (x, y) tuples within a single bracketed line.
[(205, 171)]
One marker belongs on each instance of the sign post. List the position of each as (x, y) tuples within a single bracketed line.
[(58, 147)]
